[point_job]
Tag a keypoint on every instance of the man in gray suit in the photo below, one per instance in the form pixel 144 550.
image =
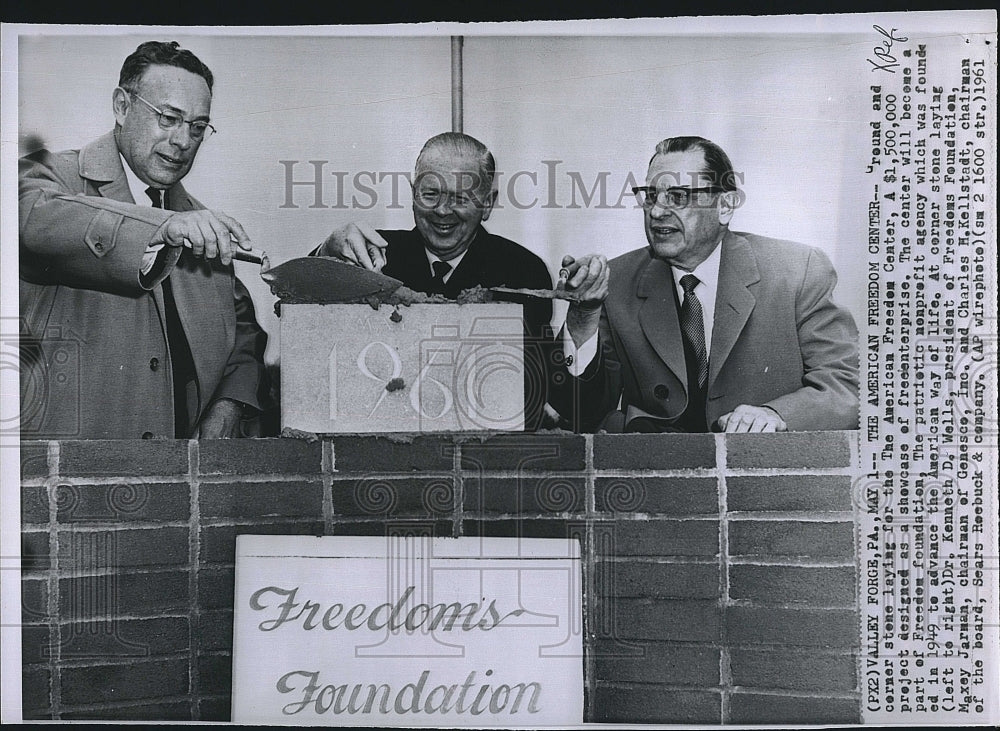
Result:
pixel 706 328
pixel 133 323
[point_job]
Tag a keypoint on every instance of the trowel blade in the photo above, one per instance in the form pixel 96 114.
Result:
pixel 325 280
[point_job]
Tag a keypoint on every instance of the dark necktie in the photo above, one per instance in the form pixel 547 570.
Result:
pixel 181 360
pixel 156 196
pixel 441 269
pixel 693 326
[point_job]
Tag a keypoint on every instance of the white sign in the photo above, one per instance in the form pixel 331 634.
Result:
pixel 350 631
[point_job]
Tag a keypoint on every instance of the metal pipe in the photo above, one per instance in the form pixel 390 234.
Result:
pixel 456 83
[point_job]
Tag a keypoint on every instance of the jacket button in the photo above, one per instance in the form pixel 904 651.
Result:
pixel 98 245
pixel 154 363
pixel 661 391
pixel 147 435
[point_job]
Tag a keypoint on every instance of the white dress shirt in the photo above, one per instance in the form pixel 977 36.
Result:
pixel 138 190
pixel 708 282
pixel 453 263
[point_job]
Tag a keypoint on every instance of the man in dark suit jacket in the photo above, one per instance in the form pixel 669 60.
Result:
pixel 449 250
pixel 125 333
pixel 706 329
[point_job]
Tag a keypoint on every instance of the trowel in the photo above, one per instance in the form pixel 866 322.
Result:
pixel 326 280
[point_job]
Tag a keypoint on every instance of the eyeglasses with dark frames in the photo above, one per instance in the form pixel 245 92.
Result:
pixel 677 197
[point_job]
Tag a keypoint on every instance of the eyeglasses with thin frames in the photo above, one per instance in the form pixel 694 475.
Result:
pixel 676 197
pixel 200 130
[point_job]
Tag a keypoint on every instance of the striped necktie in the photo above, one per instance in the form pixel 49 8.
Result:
pixel 693 325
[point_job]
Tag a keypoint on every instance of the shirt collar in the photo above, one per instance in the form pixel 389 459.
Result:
pixel 454 261
pixel 707 272
pixel 135 186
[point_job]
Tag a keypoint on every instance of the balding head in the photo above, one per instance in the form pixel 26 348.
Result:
pixel 455 146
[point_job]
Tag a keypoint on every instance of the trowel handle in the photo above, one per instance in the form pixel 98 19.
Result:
pixel 249 256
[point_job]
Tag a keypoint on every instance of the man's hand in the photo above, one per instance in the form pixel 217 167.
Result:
pixel 210 234
pixel 221 420
pixel 746 419
pixel 587 277
pixel 357 243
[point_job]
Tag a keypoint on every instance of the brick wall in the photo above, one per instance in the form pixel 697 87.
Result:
pixel 719 572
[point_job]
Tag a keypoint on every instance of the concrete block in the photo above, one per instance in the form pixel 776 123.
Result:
pixel 422 368
pixel 660 662
pixel 752 708
pixel 402 527
pixel 657 538
pixel 653 451
pixel 215 709
pixel 649 704
pixel 416 496
pixel 112 457
pixel 808 493
pixel 215 631
pixel 525 495
pixel 156 679
pixel 258 456
pixel 127 501
pixel 123 549
pixel 35 690
pixel 659 580
pixel 525 452
pixel 178 710
pixel 215 674
pixel 796 627
pixel 378 455
pixel 823 586
pixel 662 619
pixel 35 551
pixel 527 528
pixel 34 504
pixel 793 670
pixel 34 600
pixel 657 495
pixel 789 450
pixel 791 538
pixel 34 459
pixel 123 594
pixel 255 500
pixel 34 645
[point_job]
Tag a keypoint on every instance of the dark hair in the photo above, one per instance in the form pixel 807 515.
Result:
pixel 160 53
pixel 463 145
pixel 719 165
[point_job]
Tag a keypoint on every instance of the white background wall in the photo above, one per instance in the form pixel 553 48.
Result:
pixel 789 110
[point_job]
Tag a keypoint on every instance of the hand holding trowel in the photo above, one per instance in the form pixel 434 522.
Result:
pixel 348 269
pixel 202 231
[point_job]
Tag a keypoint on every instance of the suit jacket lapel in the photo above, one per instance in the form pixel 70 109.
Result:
pixel 733 299
pixel 468 273
pixel 100 163
pixel 658 316
pixel 408 262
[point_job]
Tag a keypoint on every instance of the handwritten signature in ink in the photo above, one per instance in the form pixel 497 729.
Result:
pixel 883 51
